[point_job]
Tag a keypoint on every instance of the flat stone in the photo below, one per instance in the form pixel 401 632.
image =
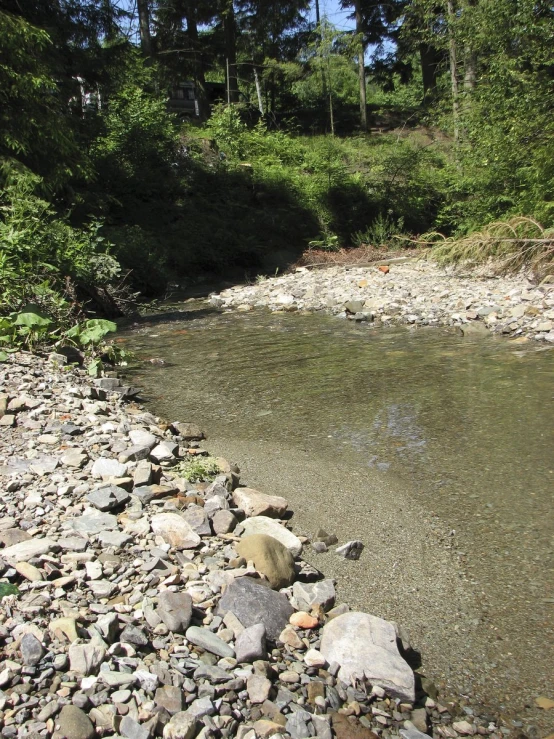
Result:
pixel 174 530
pixel 348 727
pixel 115 539
pixel 66 625
pixel 254 503
pixel 258 688
pixel 198 520
pixel 105 499
pixel 31 649
pixel 133 635
pixel 105 467
pixel 135 453
pixel 250 644
pixel 170 698
pixel 13 536
pixel 140 437
pixel 365 647
pixel 102 588
pixel 223 521
pixel 117 679
pixel 189 431
pixel 270 527
pixel 142 474
pixel 26 550
pixel 132 729
pixel 270 557
pixel 181 726
pixel 93 522
pixel 175 610
pixel 201 707
pixel 320 593
pixel 165 451
pixel 253 603
pixel 29 572
pixel 211 673
pixel 74 457
pixel 209 641
pixel 43 465
pixel 73 723
pixel 85 659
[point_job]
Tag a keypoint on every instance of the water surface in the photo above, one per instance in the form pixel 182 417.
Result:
pixel 434 449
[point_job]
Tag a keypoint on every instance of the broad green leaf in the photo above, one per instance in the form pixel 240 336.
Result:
pixel 3 356
pixel 31 319
pixel 95 330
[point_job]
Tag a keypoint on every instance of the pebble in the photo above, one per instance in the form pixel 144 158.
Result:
pixel 134 620
pixel 413 293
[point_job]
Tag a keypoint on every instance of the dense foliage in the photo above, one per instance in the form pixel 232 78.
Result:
pixel 424 116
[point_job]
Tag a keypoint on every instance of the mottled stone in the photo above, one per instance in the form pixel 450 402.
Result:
pixel 253 603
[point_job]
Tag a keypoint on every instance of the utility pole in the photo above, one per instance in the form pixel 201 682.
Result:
pixel 453 70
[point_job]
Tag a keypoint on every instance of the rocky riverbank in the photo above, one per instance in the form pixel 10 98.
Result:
pixel 143 604
pixel 413 293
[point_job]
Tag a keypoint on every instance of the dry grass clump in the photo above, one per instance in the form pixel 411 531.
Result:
pixel 361 255
pixel 514 244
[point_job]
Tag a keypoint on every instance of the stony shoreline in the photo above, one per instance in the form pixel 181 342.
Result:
pixel 412 293
pixel 152 606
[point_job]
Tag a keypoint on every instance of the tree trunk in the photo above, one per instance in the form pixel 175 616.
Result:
pixel 470 62
pixel 453 70
pixel 429 59
pixel 230 34
pixel 200 77
pixel 361 66
pixel 258 88
pixel 144 27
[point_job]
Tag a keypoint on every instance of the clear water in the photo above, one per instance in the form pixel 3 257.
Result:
pixel 462 427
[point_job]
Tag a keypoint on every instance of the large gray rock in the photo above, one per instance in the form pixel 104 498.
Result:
pixel 175 610
pixel 253 603
pixel 306 595
pixel 175 531
pixel 265 525
pixel 254 503
pixel 270 557
pixel 107 498
pixel 365 647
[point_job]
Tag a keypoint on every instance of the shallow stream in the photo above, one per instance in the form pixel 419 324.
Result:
pixel 433 449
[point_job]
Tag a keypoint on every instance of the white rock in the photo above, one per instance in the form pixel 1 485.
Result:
pixel 174 530
pixel 365 646
pixel 104 467
pixel 26 550
pixel 254 503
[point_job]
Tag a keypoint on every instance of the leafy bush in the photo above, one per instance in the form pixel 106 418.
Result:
pixel 43 259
